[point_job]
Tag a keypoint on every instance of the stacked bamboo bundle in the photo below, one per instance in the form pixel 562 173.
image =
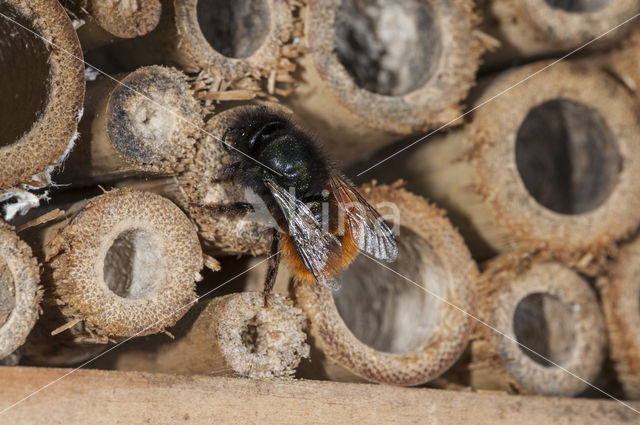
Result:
pixel 537 182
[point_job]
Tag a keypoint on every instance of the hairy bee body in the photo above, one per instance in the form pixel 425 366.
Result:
pixel 323 220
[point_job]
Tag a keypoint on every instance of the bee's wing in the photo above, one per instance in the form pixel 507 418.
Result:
pixel 318 249
pixel 368 228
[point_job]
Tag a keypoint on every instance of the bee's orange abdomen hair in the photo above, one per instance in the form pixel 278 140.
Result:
pixel 300 271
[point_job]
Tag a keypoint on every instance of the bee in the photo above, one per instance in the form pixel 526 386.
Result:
pixel 324 222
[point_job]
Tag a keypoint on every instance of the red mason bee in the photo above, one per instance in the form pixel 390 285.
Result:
pixel 324 222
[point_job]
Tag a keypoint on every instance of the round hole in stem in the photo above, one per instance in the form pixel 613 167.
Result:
pixel 234 28
pixel 385 311
pixel 545 325
pixel 24 71
pixel 389 47
pixel 567 157
pixel 132 264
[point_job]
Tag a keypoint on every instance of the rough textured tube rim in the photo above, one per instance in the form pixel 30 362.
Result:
pixel 493 133
pixel 51 134
pixel 80 249
pixel 26 277
pixel 434 103
pixel 589 346
pixel 620 295
pixel 450 336
pixel 263 59
pixel 570 28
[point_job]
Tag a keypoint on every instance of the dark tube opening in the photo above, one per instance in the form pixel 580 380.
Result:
pixel 544 324
pixel 133 263
pixel 385 311
pixel 234 28
pixel 567 157
pixel 578 6
pixel 388 47
pixel 24 71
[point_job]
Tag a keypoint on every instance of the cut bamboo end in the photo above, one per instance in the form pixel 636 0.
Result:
pixel 536 27
pixel 232 39
pixel 620 294
pixel 361 88
pixel 20 292
pixel 147 123
pixel 107 21
pixel 551 164
pixel 581 210
pixel 546 307
pixel 232 335
pixel 49 83
pixel 122 264
pixel 383 328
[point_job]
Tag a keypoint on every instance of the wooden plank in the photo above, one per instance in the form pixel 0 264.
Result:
pixel 110 397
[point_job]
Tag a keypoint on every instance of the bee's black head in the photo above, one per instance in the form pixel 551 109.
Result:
pixel 288 155
pixel 297 162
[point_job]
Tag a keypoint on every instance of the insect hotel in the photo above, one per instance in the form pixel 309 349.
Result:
pixel 319 211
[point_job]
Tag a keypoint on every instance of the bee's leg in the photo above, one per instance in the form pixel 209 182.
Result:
pixel 233 209
pixel 273 264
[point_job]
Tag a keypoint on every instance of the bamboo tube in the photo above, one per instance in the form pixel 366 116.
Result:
pixel 620 292
pixel 46 83
pixel 103 22
pixel 380 327
pixel 517 176
pixel 119 265
pixel 231 335
pixel 232 39
pixel 533 28
pixel 546 307
pixel 361 87
pixel 20 293
pixel 147 123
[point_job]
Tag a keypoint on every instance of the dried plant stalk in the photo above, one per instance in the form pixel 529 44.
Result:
pixel 551 164
pixel 20 293
pixel 621 304
pixel 383 328
pixel 530 28
pixel 546 307
pixel 233 39
pixel 360 88
pixel 107 21
pixel 48 84
pixel 231 335
pixel 147 123
pixel 121 264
